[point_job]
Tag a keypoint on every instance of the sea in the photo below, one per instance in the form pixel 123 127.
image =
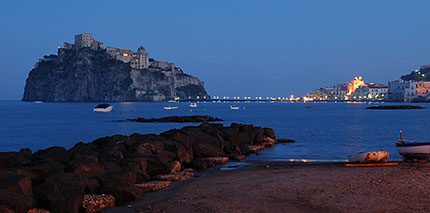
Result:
pixel 323 131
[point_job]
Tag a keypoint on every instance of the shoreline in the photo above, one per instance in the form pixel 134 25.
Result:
pixel 294 187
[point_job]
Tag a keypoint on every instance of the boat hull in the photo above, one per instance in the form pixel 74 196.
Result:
pixel 367 157
pixel 412 151
pixel 107 109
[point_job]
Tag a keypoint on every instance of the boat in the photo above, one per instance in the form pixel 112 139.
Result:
pixel 193 105
pixel 170 107
pixel 367 157
pixel 411 150
pixel 234 107
pixel 103 108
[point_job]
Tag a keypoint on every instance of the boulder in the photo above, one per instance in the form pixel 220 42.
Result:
pixel 179 150
pixel 59 154
pixel 175 166
pixel 123 193
pixel 96 203
pixel 234 157
pixel 202 150
pixel 217 160
pixel 269 132
pixel 178 176
pixel 62 192
pixel 200 164
pixel 40 169
pixel 19 184
pixel 87 168
pixel 15 159
pixel 157 166
pixel 15 202
pixel 153 185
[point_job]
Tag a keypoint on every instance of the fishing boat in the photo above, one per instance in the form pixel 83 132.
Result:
pixel 103 108
pixel 411 150
pixel 234 107
pixel 193 105
pixel 367 157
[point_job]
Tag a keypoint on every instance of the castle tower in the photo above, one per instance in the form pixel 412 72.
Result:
pixel 142 58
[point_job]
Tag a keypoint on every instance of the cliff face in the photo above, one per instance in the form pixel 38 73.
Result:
pixel 93 75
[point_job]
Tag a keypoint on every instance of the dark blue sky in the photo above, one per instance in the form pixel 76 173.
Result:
pixel 239 48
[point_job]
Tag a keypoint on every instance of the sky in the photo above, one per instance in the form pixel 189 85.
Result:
pixel 238 48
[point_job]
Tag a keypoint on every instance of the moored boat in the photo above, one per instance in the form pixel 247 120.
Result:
pixel 234 107
pixel 410 150
pixel 367 157
pixel 193 105
pixel 103 108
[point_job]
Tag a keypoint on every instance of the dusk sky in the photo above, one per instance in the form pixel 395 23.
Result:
pixel 238 48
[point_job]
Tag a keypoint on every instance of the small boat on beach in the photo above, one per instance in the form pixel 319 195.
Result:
pixel 103 108
pixel 193 105
pixel 234 107
pixel 410 150
pixel 367 157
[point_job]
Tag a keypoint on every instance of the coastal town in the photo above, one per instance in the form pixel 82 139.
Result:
pixel 400 90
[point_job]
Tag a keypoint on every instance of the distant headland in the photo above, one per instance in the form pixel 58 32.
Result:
pixel 85 71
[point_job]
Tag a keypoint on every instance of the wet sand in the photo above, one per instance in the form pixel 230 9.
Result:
pixel 296 187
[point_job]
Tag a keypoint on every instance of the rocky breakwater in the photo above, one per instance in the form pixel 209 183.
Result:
pixel 117 169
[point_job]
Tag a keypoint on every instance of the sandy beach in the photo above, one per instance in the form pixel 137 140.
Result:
pixel 296 187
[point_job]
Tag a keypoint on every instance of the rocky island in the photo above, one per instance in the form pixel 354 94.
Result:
pixel 85 71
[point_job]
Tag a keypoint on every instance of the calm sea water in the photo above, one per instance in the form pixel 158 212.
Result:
pixel 323 131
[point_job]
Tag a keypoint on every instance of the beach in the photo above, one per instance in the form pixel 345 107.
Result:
pixel 295 187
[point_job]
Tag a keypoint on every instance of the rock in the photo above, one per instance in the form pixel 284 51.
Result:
pixel 19 184
pixel 96 203
pixel 87 168
pixel 269 142
pixel 5 209
pixel 203 150
pixel 146 150
pixel 154 185
pixel 94 75
pixel 15 159
pixel 123 193
pixel 179 150
pixel 40 169
pixel 236 157
pixel 285 141
pixel 62 192
pixel 217 160
pixel 59 154
pixel 247 149
pixel 36 210
pixel 157 166
pixel 175 166
pixel 269 132
pixel 15 202
pixel 200 164
pixel 179 119
pixel 179 176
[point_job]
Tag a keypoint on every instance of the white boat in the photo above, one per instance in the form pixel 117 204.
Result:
pixel 170 107
pixel 234 107
pixel 366 157
pixel 193 105
pixel 103 108
pixel 410 150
